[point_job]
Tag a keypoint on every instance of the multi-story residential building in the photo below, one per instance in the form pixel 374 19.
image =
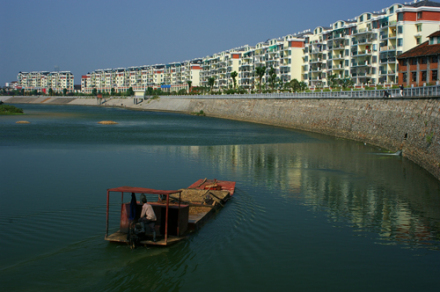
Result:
pixel 43 80
pixel 420 65
pixel 363 49
pixel 172 77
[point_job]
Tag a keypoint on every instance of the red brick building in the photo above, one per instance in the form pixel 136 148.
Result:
pixel 420 66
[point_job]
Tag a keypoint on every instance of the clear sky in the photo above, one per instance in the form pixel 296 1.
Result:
pixel 81 36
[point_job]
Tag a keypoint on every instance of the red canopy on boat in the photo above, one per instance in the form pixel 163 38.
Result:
pixel 142 190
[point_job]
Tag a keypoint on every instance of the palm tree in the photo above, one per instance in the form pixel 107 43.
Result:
pixel 234 76
pixel 260 71
pixel 211 81
pixel 272 77
pixel 189 85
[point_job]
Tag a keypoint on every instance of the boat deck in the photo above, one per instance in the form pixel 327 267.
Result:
pixel 122 237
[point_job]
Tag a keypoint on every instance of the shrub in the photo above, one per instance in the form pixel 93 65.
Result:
pixel 10 110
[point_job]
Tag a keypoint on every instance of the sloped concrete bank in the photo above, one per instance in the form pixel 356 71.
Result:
pixel 410 125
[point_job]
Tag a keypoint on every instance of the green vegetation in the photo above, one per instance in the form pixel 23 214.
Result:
pixel 234 75
pixel 429 138
pixel 200 113
pixel 211 81
pixel 260 71
pixel 6 109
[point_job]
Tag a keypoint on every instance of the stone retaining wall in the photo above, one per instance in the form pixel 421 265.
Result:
pixel 410 125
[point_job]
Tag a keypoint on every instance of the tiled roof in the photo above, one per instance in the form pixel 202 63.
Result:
pixel 424 49
pixel 437 33
pixel 425 3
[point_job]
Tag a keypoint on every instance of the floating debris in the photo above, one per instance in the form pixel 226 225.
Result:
pixel 107 122
pixel 22 122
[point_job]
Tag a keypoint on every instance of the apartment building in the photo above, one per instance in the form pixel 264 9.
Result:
pixel 365 48
pixel 43 80
pixel 171 77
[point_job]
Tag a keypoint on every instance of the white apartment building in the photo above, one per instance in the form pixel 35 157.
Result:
pixel 43 80
pixel 172 77
pixel 362 49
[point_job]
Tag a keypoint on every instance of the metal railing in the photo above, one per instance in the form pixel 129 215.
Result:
pixel 412 92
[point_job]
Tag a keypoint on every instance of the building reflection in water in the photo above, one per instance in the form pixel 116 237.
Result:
pixel 349 181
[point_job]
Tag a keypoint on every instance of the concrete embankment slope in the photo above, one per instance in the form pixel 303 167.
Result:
pixel 410 125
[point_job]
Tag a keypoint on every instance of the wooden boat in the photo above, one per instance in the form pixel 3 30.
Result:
pixel 178 212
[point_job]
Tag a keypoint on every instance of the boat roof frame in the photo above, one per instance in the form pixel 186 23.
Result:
pixel 137 190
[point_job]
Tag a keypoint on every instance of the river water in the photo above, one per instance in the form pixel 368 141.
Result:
pixel 311 212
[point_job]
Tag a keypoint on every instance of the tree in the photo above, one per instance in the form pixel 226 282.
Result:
pixel 302 86
pixel 333 81
pixel 346 82
pixel 189 85
pixel 260 71
pixel 113 91
pixel 51 91
pixel 294 85
pixel 272 77
pixel 130 91
pixel 234 75
pixel 64 91
pixel 211 81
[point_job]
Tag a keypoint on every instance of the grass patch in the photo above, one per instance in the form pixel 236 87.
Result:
pixel 200 113
pixel 429 138
pixel 6 109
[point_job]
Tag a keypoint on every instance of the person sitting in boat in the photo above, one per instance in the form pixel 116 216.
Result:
pixel 148 217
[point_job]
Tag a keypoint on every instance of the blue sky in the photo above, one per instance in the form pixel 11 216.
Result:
pixel 82 36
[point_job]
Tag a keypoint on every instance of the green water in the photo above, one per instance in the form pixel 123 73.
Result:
pixel 311 212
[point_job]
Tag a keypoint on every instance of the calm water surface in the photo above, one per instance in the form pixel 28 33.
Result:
pixel 311 212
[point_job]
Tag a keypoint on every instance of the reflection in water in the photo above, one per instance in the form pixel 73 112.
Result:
pixel 387 195
pixel 304 203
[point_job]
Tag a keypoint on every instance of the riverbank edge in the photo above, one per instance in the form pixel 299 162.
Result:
pixel 409 125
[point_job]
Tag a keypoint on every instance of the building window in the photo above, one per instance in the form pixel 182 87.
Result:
pixel 414 76
pixel 413 61
pixel 400 29
pixel 399 42
pixel 423 60
pixel 404 77
pixel 419 27
pixel 418 40
pixel 423 76
pixel 400 16
pixel 434 76
pixel 434 59
pixel 404 62
pixel 419 15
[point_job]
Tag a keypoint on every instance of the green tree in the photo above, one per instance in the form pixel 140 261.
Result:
pixel 333 81
pixel 260 71
pixel 234 75
pixel 50 91
pixel 346 82
pixel 302 86
pixel 294 85
pixel 272 77
pixel 64 91
pixel 211 81
pixel 189 85
pixel 130 92
pixel 94 92
pixel 113 91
